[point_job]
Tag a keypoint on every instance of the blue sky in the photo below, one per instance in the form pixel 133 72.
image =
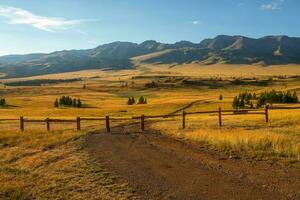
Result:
pixel 28 26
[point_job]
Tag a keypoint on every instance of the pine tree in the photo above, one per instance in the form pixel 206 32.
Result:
pixel 235 103
pixel 56 104
pixel 141 100
pixel 79 104
pixel 74 103
pixel 241 103
pixel 133 100
pixel 295 97
pixel 221 97
pixel 129 102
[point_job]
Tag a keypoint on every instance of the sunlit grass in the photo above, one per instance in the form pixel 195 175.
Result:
pixel 40 165
pixel 245 134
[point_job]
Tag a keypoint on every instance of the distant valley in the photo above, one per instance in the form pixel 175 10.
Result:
pixel 269 50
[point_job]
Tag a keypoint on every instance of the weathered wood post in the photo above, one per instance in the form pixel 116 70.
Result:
pixel 78 123
pixel 48 124
pixel 183 119
pixel 143 122
pixel 107 124
pixel 220 117
pixel 267 113
pixel 22 123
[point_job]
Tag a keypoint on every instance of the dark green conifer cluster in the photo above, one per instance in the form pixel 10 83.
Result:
pixel 131 100
pixel 277 97
pixel 245 100
pixel 68 102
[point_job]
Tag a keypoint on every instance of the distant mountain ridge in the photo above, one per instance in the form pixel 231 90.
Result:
pixel 269 50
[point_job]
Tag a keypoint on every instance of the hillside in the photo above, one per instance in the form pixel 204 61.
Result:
pixel 269 50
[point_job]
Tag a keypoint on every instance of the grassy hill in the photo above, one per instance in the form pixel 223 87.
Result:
pixel 269 50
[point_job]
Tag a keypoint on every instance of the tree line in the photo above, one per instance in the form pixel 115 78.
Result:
pixel 132 101
pixel 68 101
pixel 246 99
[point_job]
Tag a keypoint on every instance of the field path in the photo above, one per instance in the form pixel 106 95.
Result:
pixel 159 167
pixel 186 106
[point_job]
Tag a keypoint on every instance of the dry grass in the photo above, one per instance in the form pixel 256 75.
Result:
pixel 244 134
pixel 40 165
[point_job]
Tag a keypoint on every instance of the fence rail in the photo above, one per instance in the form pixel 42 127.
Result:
pixel 220 113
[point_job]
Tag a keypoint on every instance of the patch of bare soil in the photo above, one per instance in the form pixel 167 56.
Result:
pixel 159 167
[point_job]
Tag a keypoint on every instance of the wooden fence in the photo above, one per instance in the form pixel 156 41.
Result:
pixel 220 113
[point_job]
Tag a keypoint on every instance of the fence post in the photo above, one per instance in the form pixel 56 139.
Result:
pixel 183 119
pixel 143 122
pixel 48 124
pixel 22 123
pixel 107 124
pixel 220 117
pixel 267 113
pixel 78 123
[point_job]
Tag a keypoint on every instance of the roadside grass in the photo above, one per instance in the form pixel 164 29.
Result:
pixel 54 165
pixel 243 134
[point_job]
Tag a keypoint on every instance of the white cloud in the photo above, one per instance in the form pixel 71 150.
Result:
pixel 20 16
pixel 275 5
pixel 195 22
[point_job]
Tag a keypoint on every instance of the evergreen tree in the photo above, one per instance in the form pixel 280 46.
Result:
pixel 235 103
pixel 79 104
pixel 221 97
pixel 141 100
pixel 131 101
pixel 241 103
pixel 295 97
pixel 2 102
pixel 74 103
pixel 56 104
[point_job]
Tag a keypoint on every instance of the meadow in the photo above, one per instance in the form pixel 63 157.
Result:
pixel 30 158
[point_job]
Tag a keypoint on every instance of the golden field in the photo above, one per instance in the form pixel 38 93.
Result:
pixel 31 158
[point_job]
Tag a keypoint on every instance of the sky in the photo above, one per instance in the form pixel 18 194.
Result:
pixel 35 26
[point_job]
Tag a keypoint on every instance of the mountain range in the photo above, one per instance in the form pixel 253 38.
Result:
pixel 269 50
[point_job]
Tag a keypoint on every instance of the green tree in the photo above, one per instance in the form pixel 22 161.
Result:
pixel 235 103
pixel 74 103
pixel 141 100
pixel 56 103
pixel 79 104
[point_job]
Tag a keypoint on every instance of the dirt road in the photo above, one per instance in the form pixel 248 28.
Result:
pixel 159 167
